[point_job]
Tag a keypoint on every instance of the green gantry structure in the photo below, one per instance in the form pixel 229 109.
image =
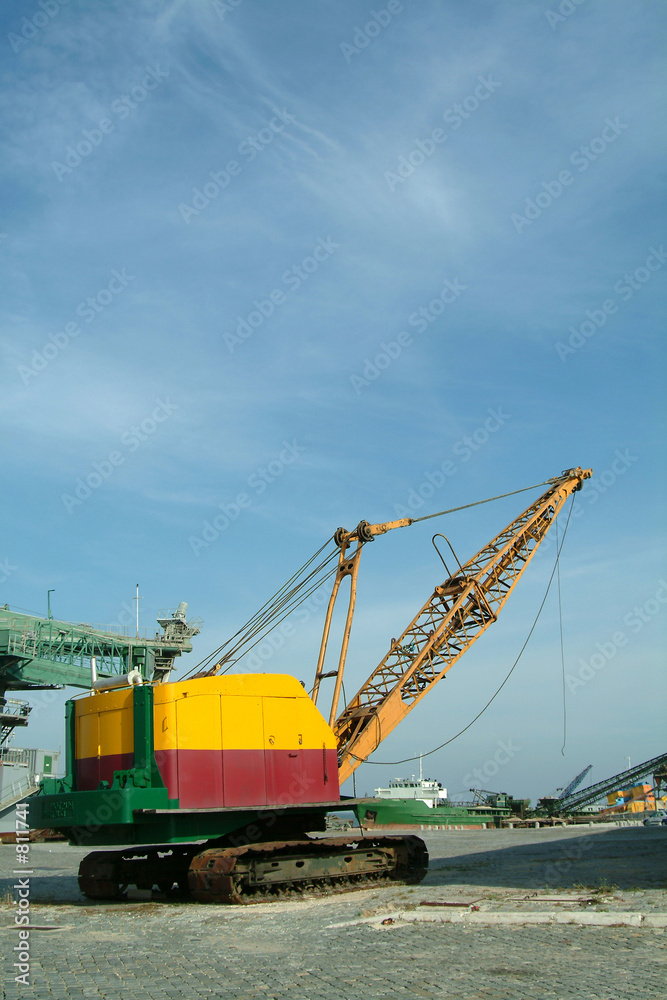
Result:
pixel 38 653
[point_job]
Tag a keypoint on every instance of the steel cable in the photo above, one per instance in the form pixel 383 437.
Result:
pixel 478 503
pixel 392 763
pixel 263 617
pixel 284 601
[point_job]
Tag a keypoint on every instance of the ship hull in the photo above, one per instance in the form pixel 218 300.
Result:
pixel 415 814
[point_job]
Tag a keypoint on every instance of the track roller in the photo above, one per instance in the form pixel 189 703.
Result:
pixel 271 870
pixel 108 874
pixel 254 873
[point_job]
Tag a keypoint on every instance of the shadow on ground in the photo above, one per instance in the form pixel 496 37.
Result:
pixel 626 858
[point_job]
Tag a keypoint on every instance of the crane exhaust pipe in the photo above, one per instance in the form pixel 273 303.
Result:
pixel 123 680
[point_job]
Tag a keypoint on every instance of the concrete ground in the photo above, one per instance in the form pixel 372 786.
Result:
pixel 320 948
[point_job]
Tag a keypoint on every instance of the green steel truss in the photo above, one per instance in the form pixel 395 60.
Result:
pixel 42 652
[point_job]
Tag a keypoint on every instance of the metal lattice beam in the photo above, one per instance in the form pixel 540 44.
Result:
pixel 452 619
pixel 36 652
pixel 589 795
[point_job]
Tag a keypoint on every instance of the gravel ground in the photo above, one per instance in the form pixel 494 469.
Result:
pixel 312 948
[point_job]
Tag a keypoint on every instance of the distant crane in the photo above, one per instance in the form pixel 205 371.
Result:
pixel 587 796
pixel 574 783
pixel 483 797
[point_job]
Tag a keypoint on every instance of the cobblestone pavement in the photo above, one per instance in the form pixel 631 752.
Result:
pixel 162 951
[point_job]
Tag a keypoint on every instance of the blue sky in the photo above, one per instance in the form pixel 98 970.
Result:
pixel 333 242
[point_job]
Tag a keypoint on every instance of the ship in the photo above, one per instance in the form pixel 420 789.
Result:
pixel 422 804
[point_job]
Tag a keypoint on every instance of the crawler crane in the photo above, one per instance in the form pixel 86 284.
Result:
pixel 217 781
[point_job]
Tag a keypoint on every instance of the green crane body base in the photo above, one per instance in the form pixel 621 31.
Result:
pixel 135 808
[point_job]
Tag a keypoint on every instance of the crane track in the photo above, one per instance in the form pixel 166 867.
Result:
pixel 255 873
pixel 262 872
pixel 108 874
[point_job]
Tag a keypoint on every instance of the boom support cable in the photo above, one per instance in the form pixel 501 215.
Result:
pixel 478 503
pixel 272 623
pixel 290 595
pixel 295 592
pixel 562 650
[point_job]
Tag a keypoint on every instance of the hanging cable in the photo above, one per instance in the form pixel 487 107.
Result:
pixel 562 650
pixel 392 763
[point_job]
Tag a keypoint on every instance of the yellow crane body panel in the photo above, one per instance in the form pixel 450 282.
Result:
pixel 231 740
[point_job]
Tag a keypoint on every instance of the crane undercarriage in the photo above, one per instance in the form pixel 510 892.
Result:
pixel 256 872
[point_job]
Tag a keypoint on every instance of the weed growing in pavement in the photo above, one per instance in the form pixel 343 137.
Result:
pixel 603 889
